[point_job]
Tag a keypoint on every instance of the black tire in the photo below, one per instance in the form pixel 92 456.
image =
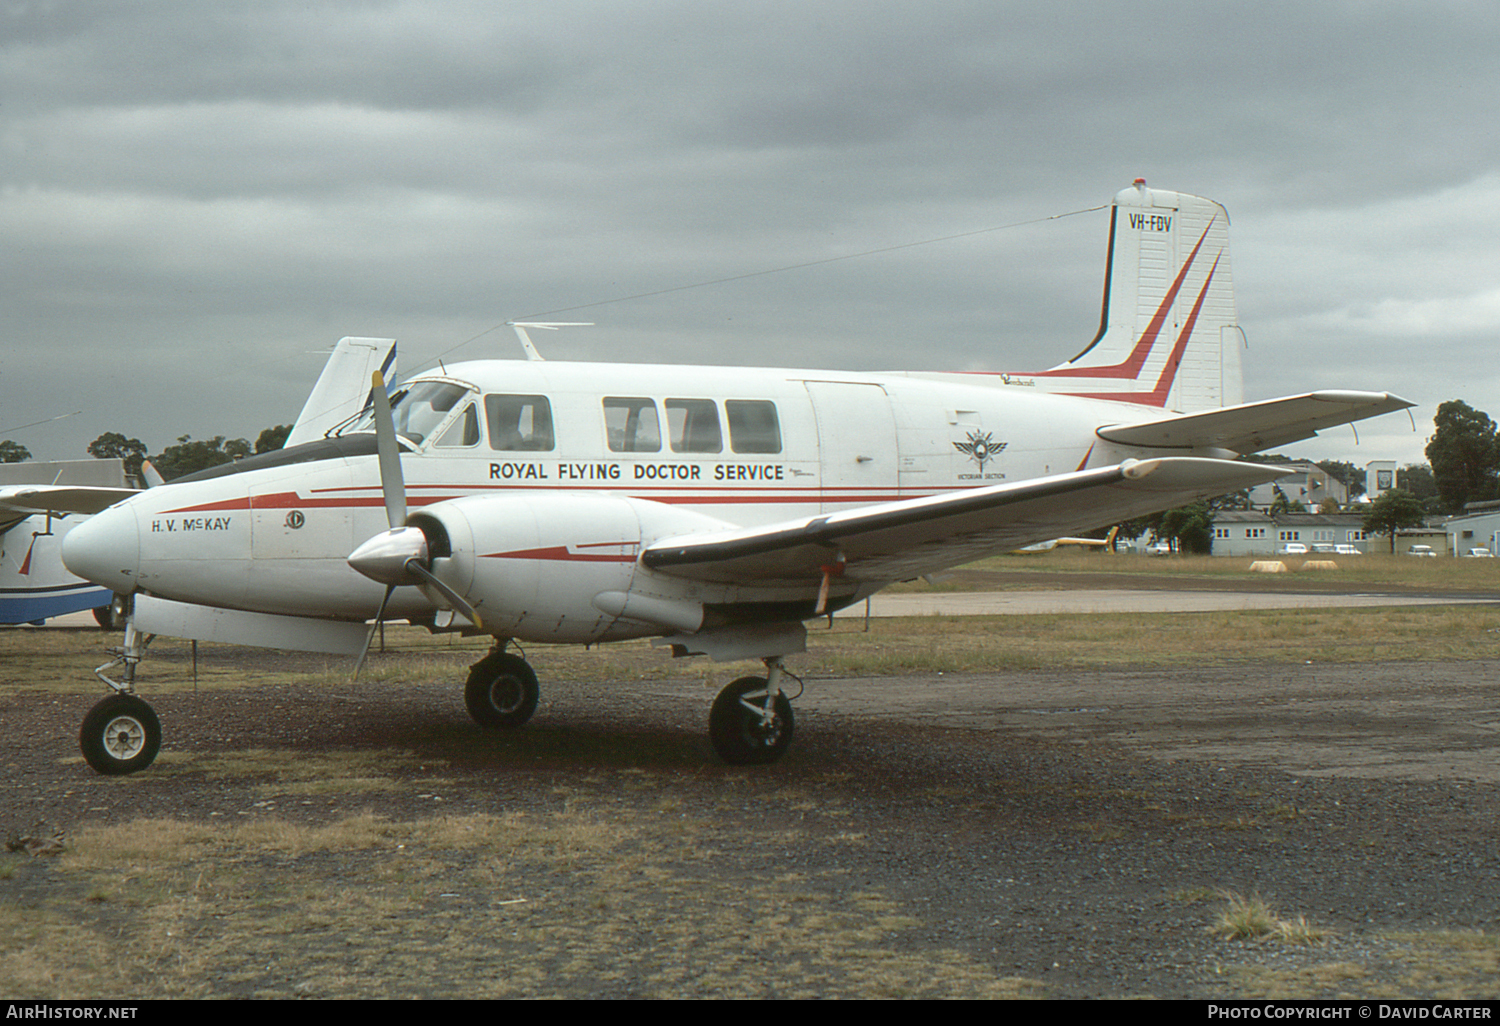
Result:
pixel 502 691
pixel 120 735
pixel 737 732
pixel 112 616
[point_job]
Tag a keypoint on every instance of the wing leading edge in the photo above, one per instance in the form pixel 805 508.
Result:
pixel 900 540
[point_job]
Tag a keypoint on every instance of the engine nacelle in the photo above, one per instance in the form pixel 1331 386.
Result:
pixel 532 565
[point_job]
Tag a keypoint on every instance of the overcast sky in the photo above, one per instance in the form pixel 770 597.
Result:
pixel 198 199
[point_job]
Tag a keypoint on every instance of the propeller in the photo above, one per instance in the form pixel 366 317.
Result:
pixel 399 556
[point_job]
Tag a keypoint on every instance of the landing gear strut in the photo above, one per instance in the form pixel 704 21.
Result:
pixel 502 691
pixel 121 734
pixel 751 721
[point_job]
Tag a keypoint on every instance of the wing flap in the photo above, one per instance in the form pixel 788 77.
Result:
pixel 1253 427
pixel 899 540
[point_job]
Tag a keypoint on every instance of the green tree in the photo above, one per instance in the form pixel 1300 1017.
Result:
pixel 1393 511
pixel 1417 479
pixel 1464 452
pixel 13 452
pixel 188 456
pixel 1282 504
pixel 114 446
pixel 1347 474
pixel 1191 528
pixel 272 438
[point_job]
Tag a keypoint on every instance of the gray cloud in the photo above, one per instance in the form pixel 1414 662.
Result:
pixel 197 198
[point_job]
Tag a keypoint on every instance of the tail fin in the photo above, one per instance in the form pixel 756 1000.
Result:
pixel 343 388
pixel 1168 334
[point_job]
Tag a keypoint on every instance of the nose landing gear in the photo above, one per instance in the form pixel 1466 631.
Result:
pixel 121 734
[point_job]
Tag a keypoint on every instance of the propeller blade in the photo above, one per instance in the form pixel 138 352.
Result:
pixel 456 600
pixel 360 662
pixel 392 485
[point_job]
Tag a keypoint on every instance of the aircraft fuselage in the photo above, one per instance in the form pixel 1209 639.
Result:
pixel 578 467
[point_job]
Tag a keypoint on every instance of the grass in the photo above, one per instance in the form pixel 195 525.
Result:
pixel 61 662
pixel 575 903
pixel 1442 965
pixel 1372 570
pixel 1250 918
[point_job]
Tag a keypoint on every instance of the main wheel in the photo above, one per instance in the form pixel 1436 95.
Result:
pixel 736 727
pixel 502 691
pixel 121 734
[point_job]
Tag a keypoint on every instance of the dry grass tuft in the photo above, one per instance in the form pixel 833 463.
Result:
pixel 1250 918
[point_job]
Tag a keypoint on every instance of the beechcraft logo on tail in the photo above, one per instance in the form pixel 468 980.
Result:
pixel 981 447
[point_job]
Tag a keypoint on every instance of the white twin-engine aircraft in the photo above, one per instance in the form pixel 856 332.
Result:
pixel 714 509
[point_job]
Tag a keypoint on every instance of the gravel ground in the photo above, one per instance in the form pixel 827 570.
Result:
pixel 1057 835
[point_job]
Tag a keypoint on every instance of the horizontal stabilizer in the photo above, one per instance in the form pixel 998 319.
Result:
pixel 901 540
pixel 1254 427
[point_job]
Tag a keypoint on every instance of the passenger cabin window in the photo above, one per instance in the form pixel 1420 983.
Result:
pixel 463 431
pixel 519 423
pixel 753 427
pixel 693 426
pixel 631 425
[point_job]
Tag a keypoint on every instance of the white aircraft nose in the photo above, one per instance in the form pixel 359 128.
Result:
pixel 106 549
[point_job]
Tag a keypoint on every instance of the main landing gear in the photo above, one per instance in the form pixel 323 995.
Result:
pixel 502 691
pixel 121 734
pixel 751 721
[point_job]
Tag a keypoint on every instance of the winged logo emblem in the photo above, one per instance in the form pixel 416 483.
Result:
pixel 981 447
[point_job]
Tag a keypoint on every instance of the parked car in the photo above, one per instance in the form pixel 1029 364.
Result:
pixel 1326 547
pixel 1480 554
pixel 1421 550
pixel 1347 550
pixel 1292 549
pixel 1160 548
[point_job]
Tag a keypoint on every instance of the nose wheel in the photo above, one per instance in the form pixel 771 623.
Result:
pixel 120 735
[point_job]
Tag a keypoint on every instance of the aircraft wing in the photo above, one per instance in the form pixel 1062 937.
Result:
pixel 900 540
pixel 1253 427
pixel 30 499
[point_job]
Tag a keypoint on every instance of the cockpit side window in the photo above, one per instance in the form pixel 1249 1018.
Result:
pixel 753 426
pixel 519 423
pixel 418 409
pixel 693 425
pixel 462 432
pixel 631 425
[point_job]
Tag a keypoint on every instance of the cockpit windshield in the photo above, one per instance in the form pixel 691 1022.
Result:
pixel 418 409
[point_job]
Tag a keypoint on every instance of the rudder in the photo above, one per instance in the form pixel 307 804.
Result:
pixel 1168 333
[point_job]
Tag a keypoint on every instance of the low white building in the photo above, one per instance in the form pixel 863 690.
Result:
pixel 1478 527
pixel 1253 533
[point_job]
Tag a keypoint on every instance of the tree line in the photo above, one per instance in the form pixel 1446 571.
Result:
pixel 187 456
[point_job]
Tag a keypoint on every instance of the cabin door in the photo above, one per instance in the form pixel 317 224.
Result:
pixel 856 443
